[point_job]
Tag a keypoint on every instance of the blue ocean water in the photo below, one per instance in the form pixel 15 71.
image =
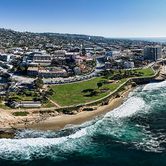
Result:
pixel 151 39
pixel 131 135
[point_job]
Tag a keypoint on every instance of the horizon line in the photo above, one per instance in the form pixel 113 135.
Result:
pixel 86 34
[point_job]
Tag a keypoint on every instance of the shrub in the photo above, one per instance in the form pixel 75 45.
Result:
pixel 35 112
pixel 47 111
pixel 25 113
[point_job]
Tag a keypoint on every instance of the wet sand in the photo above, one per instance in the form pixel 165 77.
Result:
pixel 61 121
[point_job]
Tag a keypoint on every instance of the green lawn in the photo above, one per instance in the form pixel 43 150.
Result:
pixel 48 105
pixel 70 94
pixel 147 72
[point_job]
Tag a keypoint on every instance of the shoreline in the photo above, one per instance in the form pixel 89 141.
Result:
pixel 62 121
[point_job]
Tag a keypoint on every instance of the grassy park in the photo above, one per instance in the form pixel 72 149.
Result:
pixel 70 94
pixel 81 92
pixel 147 72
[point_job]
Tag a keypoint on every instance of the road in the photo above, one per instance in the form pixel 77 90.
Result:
pixel 94 73
pixel 98 68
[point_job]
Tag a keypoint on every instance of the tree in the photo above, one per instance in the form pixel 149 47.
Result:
pixel 93 93
pixel 99 84
pixel 38 83
pixel 51 92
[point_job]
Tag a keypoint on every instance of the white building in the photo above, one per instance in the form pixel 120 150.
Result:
pixel 128 64
pixel 5 57
pixel 112 55
pixel 16 104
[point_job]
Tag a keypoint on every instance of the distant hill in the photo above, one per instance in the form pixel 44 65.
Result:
pixel 12 33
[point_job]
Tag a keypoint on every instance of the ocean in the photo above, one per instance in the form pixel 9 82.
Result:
pixel 133 134
pixel 151 39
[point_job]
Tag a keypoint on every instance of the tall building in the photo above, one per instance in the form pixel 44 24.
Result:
pixel 152 53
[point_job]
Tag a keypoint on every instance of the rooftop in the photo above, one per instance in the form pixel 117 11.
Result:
pixel 33 68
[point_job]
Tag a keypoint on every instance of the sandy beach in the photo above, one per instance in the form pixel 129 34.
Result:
pixel 59 122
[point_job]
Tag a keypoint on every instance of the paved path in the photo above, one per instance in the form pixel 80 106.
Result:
pixel 94 101
pixel 53 102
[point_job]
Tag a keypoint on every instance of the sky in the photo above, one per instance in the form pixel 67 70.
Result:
pixel 108 18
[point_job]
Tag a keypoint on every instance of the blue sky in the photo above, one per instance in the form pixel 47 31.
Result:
pixel 108 18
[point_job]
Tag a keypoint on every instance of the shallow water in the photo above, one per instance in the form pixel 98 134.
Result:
pixel 132 134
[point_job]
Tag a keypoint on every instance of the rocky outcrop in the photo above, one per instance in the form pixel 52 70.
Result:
pixel 133 84
pixel 7 133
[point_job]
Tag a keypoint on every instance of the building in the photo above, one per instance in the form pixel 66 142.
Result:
pixel 137 50
pixel 119 62
pixel 152 53
pixel 46 72
pixel 60 53
pixel 8 66
pixel 52 72
pixel 79 59
pixel 42 59
pixel 17 50
pixel 32 71
pixel 5 57
pixel 16 104
pixel 108 65
pixel 128 64
pixel 112 55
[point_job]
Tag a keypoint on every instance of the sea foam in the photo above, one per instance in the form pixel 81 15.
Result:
pixel 154 86
pixel 128 108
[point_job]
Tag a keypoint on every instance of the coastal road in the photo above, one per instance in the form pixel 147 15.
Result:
pixel 98 68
